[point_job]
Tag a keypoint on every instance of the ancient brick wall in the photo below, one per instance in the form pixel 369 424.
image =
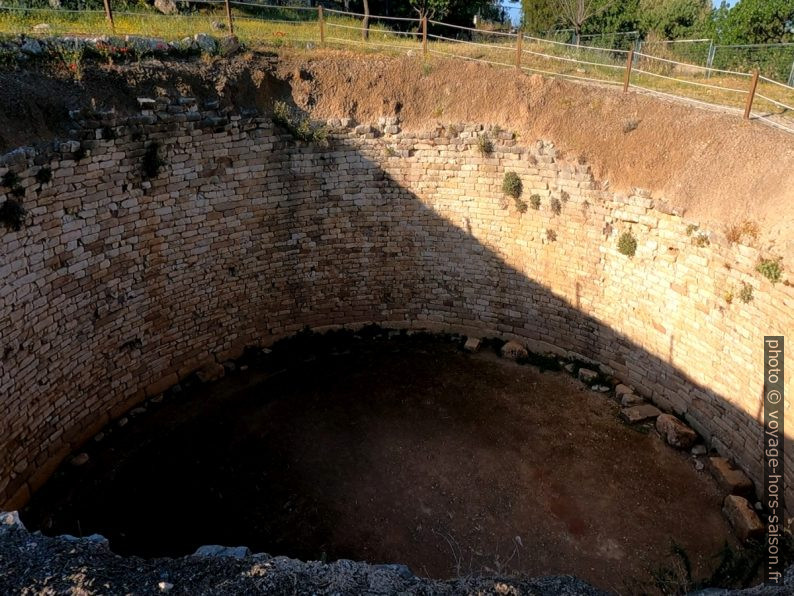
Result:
pixel 175 239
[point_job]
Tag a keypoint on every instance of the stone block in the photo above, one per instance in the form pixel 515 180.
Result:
pixel 743 518
pixel 513 350
pixel 587 376
pixel 472 344
pixel 675 432
pixel 637 414
pixel 730 479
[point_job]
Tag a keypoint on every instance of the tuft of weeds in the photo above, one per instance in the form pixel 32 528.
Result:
pixel 728 296
pixel 298 126
pixel 701 240
pixel 426 69
pixel 738 232
pixel 627 244
pixel 521 206
pixel 551 235
pixel 630 125
pixel 564 196
pixel 12 214
pixel 772 269
pixel 485 145
pixel 44 175
pixel 691 229
pixel 390 152
pixel 534 201
pixel 10 179
pixel 746 293
pixel 152 162
pixel 512 185
pixel 556 206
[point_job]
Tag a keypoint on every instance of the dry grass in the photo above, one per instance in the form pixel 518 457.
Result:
pixel 742 231
pixel 301 29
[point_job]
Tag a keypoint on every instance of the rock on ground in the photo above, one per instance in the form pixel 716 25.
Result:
pixel 730 479
pixel 514 350
pixel 743 518
pixel 637 414
pixel 675 432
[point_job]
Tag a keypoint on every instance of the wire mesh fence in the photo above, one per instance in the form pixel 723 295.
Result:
pixel 691 70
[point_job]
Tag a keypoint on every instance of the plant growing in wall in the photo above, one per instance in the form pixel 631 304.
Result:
pixel 534 200
pixel 512 186
pixel 556 206
pixel 152 162
pixel 485 145
pixel 44 175
pixel 627 244
pixel 299 127
pixel 12 214
pixel 551 235
pixel 770 269
pixel 746 293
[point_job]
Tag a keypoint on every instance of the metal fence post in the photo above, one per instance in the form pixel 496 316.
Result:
pixel 753 86
pixel 424 36
pixel 710 58
pixel 629 64
pixel 109 16
pixel 321 20
pixel 519 49
pixel 229 18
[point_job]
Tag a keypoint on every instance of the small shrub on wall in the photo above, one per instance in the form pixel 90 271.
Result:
pixel 770 269
pixel 12 214
pixel 512 186
pixel 746 293
pixel 556 206
pixel 627 244
pixel 534 200
pixel 485 145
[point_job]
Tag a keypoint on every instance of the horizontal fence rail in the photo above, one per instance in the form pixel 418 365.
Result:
pixel 712 84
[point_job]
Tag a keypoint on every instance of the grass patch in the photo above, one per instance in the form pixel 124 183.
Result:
pixel 485 145
pixel 534 200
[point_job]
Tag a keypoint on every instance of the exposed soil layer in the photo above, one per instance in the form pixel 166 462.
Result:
pixel 722 170
pixel 394 449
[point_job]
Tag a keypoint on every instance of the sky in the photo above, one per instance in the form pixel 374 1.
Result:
pixel 514 9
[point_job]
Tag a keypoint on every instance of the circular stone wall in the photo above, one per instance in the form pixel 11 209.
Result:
pixel 169 242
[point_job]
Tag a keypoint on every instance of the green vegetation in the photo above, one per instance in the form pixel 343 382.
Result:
pixel 485 144
pixel 512 185
pixel 746 293
pixel 556 206
pixel 770 269
pixel 299 126
pixel 551 235
pixel 627 244
pixel 534 200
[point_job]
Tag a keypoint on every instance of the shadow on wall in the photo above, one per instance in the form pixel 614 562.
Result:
pixel 120 284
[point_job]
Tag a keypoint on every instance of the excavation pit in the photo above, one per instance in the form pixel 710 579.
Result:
pixel 391 447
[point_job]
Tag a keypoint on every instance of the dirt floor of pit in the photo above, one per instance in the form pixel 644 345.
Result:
pixel 396 450
pixel 722 170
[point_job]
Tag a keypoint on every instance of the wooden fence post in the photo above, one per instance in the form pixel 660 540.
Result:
pixel 629 64
pixel 321 20
pixel 229 18
pixel 424 36
pixel 109 16
pixel 748 110
pixel 519 49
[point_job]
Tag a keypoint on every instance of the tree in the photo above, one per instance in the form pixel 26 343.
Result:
pixel 577 12
pixel 538 16
pixel 430 8
pixel 675 19
pixel 758 21
pixel 366 20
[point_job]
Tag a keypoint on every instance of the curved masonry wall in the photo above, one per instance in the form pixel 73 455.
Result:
pixel 118 286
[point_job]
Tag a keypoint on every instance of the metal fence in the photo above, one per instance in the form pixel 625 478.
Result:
pixel 751 94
